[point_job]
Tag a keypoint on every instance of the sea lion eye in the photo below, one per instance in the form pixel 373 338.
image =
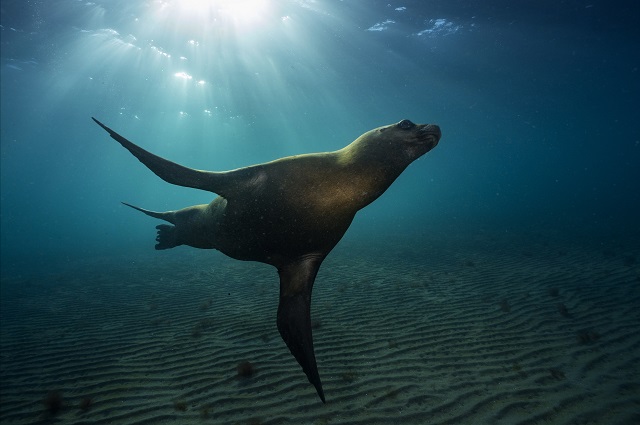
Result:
pixel 406 124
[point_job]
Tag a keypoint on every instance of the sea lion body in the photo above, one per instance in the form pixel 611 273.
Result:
pixel 275 213
pixel 289 213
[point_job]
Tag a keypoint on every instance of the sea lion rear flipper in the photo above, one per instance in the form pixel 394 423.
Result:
pixel 170 171
pixel 166 237
pixel 294 314
pixel 166 216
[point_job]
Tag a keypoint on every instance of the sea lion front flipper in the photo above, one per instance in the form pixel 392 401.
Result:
pixel 294 314
pixel 170 171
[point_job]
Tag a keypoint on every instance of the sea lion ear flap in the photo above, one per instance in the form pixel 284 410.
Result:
pixel 170 171
pixel 294 315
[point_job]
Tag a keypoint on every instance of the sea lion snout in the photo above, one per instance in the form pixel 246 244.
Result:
pixel 426 138
pixel 431 131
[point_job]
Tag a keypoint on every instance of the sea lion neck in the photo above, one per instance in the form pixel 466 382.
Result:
pixel 370 170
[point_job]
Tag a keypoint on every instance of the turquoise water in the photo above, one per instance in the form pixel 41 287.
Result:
pixel 538 106
pixel 537 109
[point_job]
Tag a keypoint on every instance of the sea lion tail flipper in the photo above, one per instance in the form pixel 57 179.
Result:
pixel 294 315
pixel 167 236
pixel 170 171
pixel 166 216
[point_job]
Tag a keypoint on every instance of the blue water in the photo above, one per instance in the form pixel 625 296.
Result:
pixel 538 108
pixel 538 103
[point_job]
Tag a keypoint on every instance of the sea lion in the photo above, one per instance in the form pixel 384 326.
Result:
pixel 289 213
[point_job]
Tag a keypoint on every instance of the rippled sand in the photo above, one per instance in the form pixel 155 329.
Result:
pixel 484 332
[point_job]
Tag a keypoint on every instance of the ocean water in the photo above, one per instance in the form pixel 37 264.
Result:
pixel 496 281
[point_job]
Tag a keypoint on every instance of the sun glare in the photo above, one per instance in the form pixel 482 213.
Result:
pixel 191 56
pixel 239 11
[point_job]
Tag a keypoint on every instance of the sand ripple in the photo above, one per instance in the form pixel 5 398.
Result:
pixel 478 335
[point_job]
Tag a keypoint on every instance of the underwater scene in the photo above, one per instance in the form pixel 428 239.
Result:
pixel 319 212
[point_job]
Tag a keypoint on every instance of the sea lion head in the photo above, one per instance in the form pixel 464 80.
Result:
pixel 413 139
pixel 397 144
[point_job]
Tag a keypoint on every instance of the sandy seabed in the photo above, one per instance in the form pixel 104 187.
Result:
pixel 485 331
